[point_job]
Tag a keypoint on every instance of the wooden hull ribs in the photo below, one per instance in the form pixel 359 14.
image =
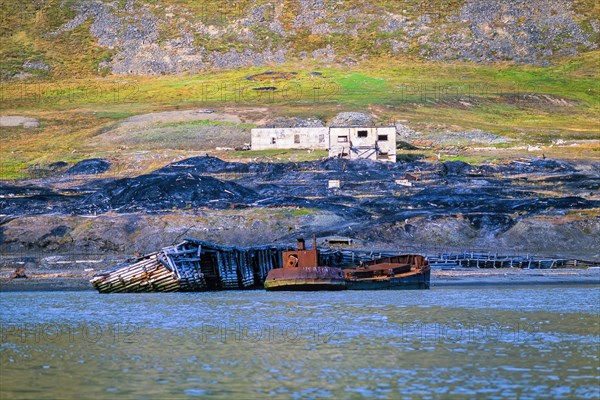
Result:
pixel 191 266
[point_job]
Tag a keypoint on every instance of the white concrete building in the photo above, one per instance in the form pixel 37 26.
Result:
pixel 290 138
pixel 374 142
pixel 371 142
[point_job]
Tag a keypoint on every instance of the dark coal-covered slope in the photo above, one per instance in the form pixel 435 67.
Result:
pixel 204 165
pixel 368 189
pixel 178 190
pixel 32 199
pixel 93 166
pixel 534 205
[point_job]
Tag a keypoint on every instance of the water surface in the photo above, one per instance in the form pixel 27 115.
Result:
pixel 474 342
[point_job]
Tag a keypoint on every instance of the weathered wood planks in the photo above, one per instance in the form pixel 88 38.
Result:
pixel 192 265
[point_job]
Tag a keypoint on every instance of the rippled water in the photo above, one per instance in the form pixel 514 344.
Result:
pixel 493 343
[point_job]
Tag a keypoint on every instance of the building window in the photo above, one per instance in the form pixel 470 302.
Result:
pixel 297 139
pixel 363 134
pixel 273 140
pixel 342 139
pixel 382 138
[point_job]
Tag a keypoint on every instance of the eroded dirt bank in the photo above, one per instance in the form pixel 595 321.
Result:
pixel 536 206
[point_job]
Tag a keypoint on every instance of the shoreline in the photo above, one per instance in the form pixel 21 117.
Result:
pixel 468 277
pixel 442 279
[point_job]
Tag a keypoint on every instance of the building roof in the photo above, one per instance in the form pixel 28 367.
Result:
pixel 361 126
pixel 329 127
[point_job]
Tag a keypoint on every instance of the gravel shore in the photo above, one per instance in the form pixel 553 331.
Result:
pixel 514 277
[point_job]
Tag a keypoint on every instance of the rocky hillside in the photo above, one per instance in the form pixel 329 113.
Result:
pixel 145 37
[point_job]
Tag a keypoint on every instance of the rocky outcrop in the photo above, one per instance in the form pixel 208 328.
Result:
pixel 149 38
pixel 518 30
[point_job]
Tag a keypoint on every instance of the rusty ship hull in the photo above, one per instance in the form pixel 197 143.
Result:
pixel 416 281
pixel 301 271
pixel 305 279
pixel 404 272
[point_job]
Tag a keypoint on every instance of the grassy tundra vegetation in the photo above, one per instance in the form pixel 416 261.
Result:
pixel 532 105
pixel 79 102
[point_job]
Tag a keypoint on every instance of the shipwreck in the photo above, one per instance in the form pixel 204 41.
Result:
pixel 192 266
pixel 195 265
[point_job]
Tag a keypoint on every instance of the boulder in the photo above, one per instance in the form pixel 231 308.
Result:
pixel 18 274
pixel 17 120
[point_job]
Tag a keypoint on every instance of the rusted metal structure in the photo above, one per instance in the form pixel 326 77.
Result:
pixel 396 272
pixel 192 265
pixel 302 271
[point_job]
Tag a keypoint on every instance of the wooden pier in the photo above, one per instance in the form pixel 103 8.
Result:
pixel 348 257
